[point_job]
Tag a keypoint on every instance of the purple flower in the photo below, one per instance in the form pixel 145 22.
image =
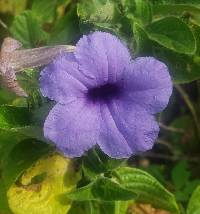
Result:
pixel 104 98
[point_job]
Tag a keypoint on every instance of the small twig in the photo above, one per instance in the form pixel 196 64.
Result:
pixel 165 143
pixel 171 129
pixel 3 24
pixel 168 157
pixel 190 106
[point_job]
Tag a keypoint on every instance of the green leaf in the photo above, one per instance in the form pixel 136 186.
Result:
pixel 11 117
pixel 78 208
pixel 44 10
pixel 147 188
pixel 27 30
pixel 104 15
pixel 173 34
pixel 39 114
pixel 14 158
pixel 115 207
pixel 66 30
pixel 185 193
pixel 180 174
pixel 16 120
pixel 40 188
pixel 96 11
pixel 34 132
pixel 96 207
pixel 191 186
pixel 190 10
pixel 6 97
pixel 12 6
pixel 7 141
pixel 127 181
pixel 157 171
pixel 28 79
pixel 143 12
pixel 22 156
pixel 196 31
pixel 143 45
pixel 194 203
pixel 96 162
pixel 4 207
pixel 101 189
pixel 183 68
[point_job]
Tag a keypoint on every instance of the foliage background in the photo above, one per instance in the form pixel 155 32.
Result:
pixel 166 29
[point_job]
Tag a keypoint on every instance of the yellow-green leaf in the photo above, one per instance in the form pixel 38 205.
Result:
pixel 194 203
pixel 12 6
pixel 41 187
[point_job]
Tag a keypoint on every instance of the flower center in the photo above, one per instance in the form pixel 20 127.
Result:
pixel 104 92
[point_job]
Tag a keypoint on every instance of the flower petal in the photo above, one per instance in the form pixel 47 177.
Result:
pixel 102 57
pixel 127 130
pixel 73 127
pixel 111 140
pixel 61 80
pixel 148 84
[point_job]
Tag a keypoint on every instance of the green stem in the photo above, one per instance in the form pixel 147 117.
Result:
pixel 3 24
pixel 170 128
pixel 190 106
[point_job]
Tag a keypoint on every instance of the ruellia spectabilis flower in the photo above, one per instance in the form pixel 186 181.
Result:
pixel 104 98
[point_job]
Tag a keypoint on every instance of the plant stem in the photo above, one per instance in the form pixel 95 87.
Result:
pixel 169 157
pixel 3 24
pixel 171 129
pixel 190 106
